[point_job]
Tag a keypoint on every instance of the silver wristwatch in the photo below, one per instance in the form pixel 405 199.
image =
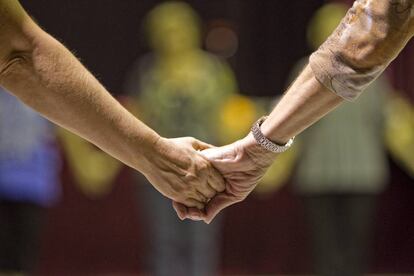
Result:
pixel 266 143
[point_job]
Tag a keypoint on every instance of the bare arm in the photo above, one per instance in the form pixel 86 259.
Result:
pixel 369 37
pixel 244 162
pixel 46 76
pixel 305 102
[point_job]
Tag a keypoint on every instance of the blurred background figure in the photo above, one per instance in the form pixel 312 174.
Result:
pixel 342 169
pixel 29 182
pixel 94 171
pixel 399 134
pixel 179 90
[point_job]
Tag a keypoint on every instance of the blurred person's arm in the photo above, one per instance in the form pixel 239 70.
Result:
pixel 369 37
pixel 46 76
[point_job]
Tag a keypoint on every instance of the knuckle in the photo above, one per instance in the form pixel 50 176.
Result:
pixel 190 177
pixel 189 139
pixel 211 193
pixel 201 194
pixel 192 194
pixel 201 198
pixel 220 182
pixel 199 164
pixel 204 167
pixel 221 188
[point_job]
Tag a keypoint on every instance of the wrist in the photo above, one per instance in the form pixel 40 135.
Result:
pixel 279 137
pixel 145 151
pixel 265 142
pixel 261 155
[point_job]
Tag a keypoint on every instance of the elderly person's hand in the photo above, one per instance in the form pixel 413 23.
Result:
pixel 178 171
pixel 242 164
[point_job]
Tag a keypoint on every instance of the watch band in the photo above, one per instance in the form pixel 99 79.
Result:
pixel 266 143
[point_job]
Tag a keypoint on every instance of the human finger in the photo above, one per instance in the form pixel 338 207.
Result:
pixel 204 194
pixel 216 205
pixel 190 202
pixel 188 213
pixel 216 180
pixel 207 191
pixel 195 214
pixel 180 209
pixel 200 145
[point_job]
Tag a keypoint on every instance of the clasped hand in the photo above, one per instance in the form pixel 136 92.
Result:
pixel 203 191
pixel 177 170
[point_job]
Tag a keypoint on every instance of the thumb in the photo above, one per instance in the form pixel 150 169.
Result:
pixel 184 212
pixel 180 209
pixel 216 205
pixel 224 153
pixel 200 145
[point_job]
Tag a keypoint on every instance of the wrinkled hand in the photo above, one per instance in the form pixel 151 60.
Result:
pixel 180 173
pixel 242 164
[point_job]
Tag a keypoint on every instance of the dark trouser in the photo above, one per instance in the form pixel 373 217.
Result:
pixel 178 248
pixel 341 228
pixel 19 235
